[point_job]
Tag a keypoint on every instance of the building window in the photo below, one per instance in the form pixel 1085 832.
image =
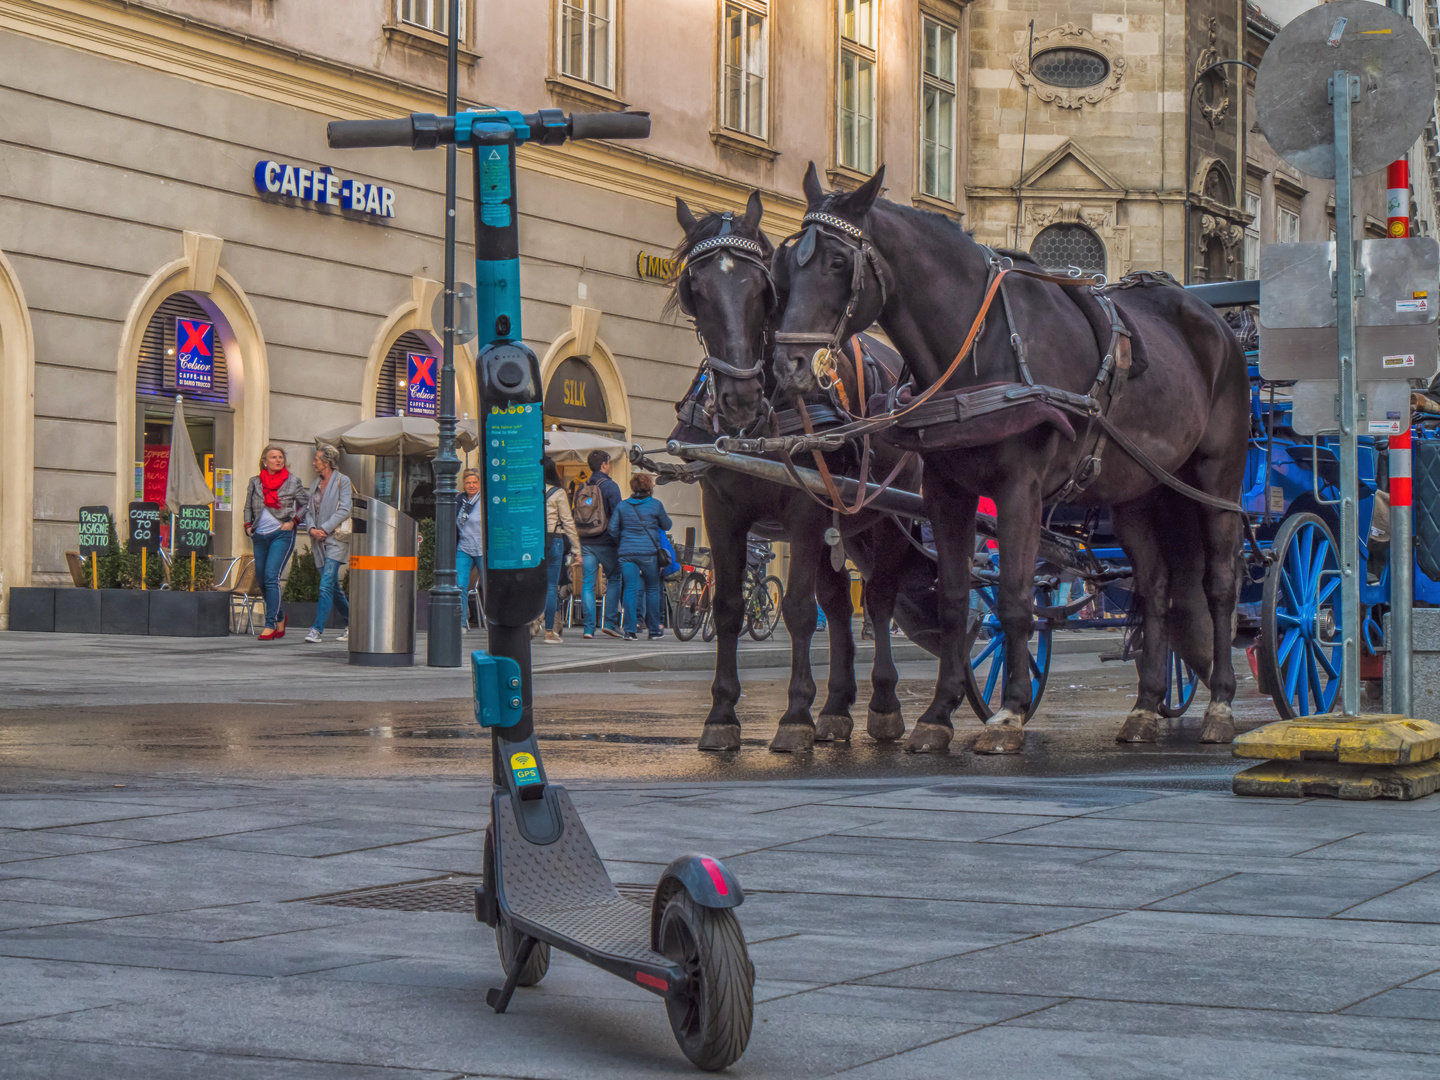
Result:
pixel 937 110
pixel 1252 236
pixel 855 99
pixel 1287 225
pixel 744 65
pixel 587 41
pixel 428 15
pixel 1063 246
pixel 1070 68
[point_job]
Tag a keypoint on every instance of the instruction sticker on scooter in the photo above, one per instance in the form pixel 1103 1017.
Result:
pixel 523 766
pixel 1399 360
pixel 515 521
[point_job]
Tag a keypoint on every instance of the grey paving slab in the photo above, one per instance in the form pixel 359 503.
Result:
pixel 21 916
pixel 843 957
pixel 1416 902
pixel 1000 799
pixel 1238 1022
pixel 1422 847
pixel 23 813
pixel 234 922
pixel 1187 837
pixel 1408 1002
pixel 1125 959
pixel 953 825
pixel 45 1059
pixel 1310 895
pixel 189 824
pixel 334 837
pixel 18 844
pixel 1002 1053
pixel 31 988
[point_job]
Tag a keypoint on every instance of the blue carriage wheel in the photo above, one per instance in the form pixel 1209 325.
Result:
pixel 1301 617
pixel 989 670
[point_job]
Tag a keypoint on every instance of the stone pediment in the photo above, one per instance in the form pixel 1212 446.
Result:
pixel 1070 169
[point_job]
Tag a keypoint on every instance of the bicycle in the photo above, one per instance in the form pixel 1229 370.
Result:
pixel 693 607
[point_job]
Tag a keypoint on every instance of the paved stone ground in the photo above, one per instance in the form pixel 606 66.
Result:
pixel 965 927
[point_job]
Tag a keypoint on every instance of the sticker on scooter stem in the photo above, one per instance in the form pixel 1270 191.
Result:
pixel 525 770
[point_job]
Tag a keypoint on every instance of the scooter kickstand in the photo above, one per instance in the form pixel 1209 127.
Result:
pixel 499 999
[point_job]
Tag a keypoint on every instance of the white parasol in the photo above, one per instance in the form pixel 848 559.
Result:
pixel 398 435
pixel 576 445
pixel 184 482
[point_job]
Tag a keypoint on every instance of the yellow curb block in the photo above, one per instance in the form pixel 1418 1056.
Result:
pixel 1361 740
pixel 1296 779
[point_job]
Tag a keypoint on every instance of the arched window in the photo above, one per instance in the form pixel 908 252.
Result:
pixel 392 395
pixel 1065 245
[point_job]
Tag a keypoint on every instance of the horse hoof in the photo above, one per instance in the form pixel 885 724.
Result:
pixel 885 726
pixel 929 738
pixel 1218 725
pixel 790 738
pixel 833 727
pixel 1141 725
pixel 720 737
pixel 1004 734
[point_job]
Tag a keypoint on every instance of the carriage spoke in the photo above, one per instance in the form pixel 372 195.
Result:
pixel 1286 644
pixel 1326 664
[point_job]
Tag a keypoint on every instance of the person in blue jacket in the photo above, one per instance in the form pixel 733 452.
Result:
pixel 637 526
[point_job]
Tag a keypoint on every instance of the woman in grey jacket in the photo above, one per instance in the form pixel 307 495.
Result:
pixel 330 503
pixel 274 505
pixel 636 527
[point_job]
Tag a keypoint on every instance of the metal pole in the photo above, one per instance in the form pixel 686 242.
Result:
pixel 442 648
pixel 1402 575
pixel 1344 90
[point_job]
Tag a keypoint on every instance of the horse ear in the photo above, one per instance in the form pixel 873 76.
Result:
pixel 814 192
pixel 858 202
pixel 684 215
pixel 754 211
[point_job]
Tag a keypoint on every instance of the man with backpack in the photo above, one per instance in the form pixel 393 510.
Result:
pixel 593 508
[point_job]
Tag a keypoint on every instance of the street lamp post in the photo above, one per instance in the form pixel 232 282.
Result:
pixel 1189 106
pixel 442 648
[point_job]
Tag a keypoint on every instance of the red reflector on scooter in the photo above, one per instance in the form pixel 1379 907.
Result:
pixel 715 875
pixel 650 980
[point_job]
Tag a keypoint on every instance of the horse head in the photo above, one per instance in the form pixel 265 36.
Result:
pixel 833 281
pixel 723 283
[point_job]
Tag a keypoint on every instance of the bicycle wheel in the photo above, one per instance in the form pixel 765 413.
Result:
pixel 690 607
pixel 707 629
pixel 762 607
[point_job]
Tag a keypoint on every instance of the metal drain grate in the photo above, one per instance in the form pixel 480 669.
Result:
pixel 447 895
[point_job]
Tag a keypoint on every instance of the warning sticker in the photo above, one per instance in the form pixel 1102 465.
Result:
pixel 1422 304
pixel 1385 427
pixel 1399 360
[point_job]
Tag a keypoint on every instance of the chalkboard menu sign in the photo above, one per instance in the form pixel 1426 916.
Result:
pixel 94 530
pixel 192 530
pixel 144 527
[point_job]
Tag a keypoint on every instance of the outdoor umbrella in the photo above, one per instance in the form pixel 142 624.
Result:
pixel 184 482
pixel 576 445
pixel 400 435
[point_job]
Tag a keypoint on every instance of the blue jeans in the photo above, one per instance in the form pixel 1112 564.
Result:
pixel 464 564
pixel 271 554
pixel 635 569
pixel 330 593
pixel 555 565
pixel 601 556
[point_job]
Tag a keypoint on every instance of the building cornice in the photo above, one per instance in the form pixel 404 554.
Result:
pixel 218 56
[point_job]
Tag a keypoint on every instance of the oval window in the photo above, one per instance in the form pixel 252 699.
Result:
pixel 1069 67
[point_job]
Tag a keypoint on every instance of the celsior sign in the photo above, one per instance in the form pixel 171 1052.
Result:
pixel 321 187
pixel 194 354
pixel 424 391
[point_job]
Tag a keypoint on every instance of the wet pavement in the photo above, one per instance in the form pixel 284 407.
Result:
pixel 243 863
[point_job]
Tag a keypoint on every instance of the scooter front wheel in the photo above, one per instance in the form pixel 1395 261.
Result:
pixel 507 942
pixel 712 1013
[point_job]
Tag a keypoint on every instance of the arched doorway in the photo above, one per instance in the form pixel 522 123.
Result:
pixel 584 390
pixel 233 412
pixel 17 437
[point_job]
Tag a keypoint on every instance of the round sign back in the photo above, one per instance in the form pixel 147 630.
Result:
pixel 1365 39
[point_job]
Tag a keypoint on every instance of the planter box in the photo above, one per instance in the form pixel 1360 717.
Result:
pixel 77 611
pixel 187 614
pixel 124 611
pixel 301 614
pixel 32 610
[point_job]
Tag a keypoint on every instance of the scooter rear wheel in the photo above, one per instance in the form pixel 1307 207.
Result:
pixel 507 942
pixel 711 1015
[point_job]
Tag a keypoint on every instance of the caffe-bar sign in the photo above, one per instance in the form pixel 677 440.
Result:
pixel 321 187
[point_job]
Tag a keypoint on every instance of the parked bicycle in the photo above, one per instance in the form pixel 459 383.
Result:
pixel 693 607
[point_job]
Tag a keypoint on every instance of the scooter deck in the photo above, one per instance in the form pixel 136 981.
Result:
pixel 561 894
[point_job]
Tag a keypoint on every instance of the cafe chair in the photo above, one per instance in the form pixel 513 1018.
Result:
pixel 238 580
pixel 79 570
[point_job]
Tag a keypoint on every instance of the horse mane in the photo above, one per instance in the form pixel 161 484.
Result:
pixel 707 227
pixel 834 201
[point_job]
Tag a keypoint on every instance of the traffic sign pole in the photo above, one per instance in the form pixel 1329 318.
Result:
pixel 1344 91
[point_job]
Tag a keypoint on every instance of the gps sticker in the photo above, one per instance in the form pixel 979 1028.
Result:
pixel 523 766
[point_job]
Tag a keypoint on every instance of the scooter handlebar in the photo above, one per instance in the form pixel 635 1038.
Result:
pixel 621 125
pixel 344 134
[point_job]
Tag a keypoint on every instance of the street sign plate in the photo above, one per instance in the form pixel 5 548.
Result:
pixel 1387 407
pixel 1402 282
pixel 464 313
pixel 1397 86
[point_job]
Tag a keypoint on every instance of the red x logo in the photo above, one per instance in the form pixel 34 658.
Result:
pixel 194 337
pixel 422 373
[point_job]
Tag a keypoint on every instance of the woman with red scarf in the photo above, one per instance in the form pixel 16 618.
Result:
pixel 274 505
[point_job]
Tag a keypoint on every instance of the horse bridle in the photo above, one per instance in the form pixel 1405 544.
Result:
pixel 862 254
pixel 739 247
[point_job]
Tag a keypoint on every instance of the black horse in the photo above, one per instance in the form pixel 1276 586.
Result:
pixel 724 285
pixel 1060 408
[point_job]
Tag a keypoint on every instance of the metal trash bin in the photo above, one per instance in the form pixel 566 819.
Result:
pixel 383 547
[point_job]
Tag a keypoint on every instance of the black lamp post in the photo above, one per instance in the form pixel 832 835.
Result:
pixel 1189 140
pixel 442 648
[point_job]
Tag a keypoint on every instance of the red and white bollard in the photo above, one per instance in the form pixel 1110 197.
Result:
pixel 1402 574
pixel 1397 199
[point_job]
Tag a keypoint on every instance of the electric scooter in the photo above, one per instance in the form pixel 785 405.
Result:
pixel 544 884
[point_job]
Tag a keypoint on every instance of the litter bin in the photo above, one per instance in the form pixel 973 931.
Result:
pixel 383 546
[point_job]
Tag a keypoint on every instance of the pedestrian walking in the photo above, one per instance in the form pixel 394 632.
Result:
pixel 559 528
pixel 470 547
pixel 636 527
pixel 595 503
pixel 274 505
pixel 331 499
